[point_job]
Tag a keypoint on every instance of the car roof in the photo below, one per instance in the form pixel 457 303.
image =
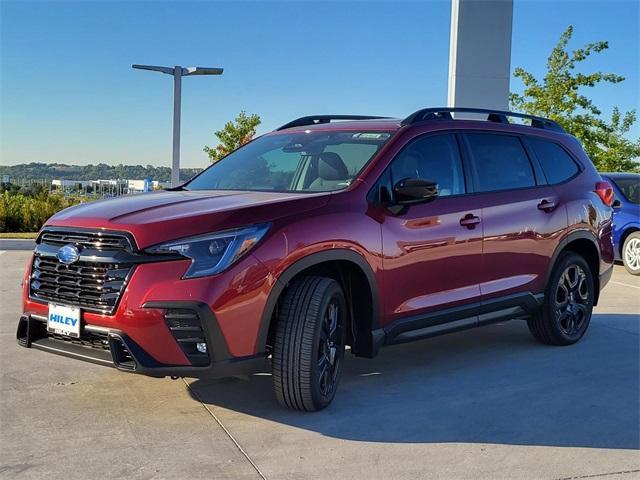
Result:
pixel 377 124
pixel 433 116
pixel 392 125
pixel 621 174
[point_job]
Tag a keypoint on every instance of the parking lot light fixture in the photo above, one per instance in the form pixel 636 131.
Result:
pixel 178 72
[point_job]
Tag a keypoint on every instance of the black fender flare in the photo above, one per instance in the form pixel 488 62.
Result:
pixel 582 234
pixel 304 263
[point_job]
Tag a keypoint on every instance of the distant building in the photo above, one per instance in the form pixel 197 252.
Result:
pixel 110 186
pixel 108 183
pixel 146 185
pixel 71 183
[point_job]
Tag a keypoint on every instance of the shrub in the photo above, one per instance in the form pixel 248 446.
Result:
pixel 22 213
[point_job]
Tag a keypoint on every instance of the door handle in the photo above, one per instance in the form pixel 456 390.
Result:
pixel 470 221
pixel 546 205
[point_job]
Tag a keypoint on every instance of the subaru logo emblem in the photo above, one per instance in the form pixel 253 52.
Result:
pixel 68 254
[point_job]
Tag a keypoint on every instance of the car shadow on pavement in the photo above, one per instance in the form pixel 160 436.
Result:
pixel 487 385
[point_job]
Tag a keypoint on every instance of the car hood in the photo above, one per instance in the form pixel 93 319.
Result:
pixel 161 216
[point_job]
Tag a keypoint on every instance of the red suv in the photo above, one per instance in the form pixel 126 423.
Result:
pixel 320 235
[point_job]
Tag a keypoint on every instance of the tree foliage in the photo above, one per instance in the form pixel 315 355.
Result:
pixel 559 96
pixel 61 171
pixel 27 213
pixel 233 135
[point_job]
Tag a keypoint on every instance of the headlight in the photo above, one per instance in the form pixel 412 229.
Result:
pixel 212 253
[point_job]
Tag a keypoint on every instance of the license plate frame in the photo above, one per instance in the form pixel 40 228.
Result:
pixel 64 320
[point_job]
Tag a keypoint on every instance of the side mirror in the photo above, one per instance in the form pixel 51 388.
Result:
pixel 415 190
pixel 616 204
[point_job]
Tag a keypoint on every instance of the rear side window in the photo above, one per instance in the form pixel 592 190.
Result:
pixel 557 165
pixel 499 162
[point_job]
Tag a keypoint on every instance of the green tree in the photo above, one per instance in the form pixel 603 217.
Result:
pixel 233 135
pixel 559 96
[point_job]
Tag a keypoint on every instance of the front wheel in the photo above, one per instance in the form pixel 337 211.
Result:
pixel 631 253
pixel 308 348
pixel 566 312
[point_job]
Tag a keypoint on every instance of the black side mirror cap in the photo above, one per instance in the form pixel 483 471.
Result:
pixel 409 191
pixel 616 204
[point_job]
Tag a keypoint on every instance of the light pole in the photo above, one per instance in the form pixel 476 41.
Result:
pixel 178 72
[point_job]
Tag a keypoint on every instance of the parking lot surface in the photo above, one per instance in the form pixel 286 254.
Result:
pixel 488 403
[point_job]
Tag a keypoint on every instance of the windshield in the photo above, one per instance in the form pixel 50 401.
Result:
pixel 310 161
pixel 630 188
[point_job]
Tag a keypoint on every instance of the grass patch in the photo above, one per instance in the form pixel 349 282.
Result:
pixel 27 235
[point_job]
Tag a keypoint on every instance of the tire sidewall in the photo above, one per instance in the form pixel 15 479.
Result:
pixel 565 261
pixel 627 241
pixel 334 292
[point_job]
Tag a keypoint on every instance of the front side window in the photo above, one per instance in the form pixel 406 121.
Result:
pixel 499 162
pixel 557 165
pixel 311 161
pixel 432 157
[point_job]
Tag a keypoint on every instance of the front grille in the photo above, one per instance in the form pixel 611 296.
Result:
pixel 95 240
pixel 93 286
pixel 89 339
pixel 95 282
pixel 98 341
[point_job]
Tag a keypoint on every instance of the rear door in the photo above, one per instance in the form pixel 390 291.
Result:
pixel 522 220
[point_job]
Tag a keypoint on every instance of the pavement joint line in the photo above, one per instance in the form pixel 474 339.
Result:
pixel 596 475
pixel 231 437
pixel 622 330
pixel 625 284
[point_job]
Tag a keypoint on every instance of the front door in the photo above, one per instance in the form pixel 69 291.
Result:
pixel 431 251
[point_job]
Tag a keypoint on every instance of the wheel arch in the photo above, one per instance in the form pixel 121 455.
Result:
pixel 628 230
pixel 584 243
pixel 357 279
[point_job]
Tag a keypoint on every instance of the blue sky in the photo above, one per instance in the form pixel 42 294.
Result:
pixel 69 93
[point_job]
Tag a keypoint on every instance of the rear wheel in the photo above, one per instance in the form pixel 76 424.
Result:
pixel 631 253
pixel 309 343
pixel 566 312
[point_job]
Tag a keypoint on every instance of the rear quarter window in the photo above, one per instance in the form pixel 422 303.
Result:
pixel 556 163
pixel 629 187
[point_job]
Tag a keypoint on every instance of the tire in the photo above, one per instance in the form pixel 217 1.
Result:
pixel 631 253
pixel 309 340
pixel 565 314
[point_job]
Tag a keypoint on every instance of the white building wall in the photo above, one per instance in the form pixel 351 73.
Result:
pixel 480 53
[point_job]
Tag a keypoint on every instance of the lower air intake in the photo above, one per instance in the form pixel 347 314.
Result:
pixel 186 327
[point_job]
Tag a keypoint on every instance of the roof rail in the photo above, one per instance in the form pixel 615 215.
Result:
pixel 499 116
pixel 317 119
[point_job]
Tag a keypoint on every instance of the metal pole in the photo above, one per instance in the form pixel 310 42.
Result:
pixel 177 93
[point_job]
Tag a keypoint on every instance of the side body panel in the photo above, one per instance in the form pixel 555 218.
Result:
pixel 625 219
pixel 519 240
pixel 431 262
pixel 587 215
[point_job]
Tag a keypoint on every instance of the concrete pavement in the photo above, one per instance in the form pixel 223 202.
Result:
pixel 487 403
pixel 17 244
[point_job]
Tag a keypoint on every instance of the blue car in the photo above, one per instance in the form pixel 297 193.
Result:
pixel 626 219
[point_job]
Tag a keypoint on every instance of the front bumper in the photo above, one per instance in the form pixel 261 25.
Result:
pixel 229 307
pixel 114 348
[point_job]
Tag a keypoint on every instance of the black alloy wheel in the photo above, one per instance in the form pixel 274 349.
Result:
pixel 565 314
pixel 572 300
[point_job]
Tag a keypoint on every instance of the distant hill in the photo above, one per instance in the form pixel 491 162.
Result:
pixel 51 171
